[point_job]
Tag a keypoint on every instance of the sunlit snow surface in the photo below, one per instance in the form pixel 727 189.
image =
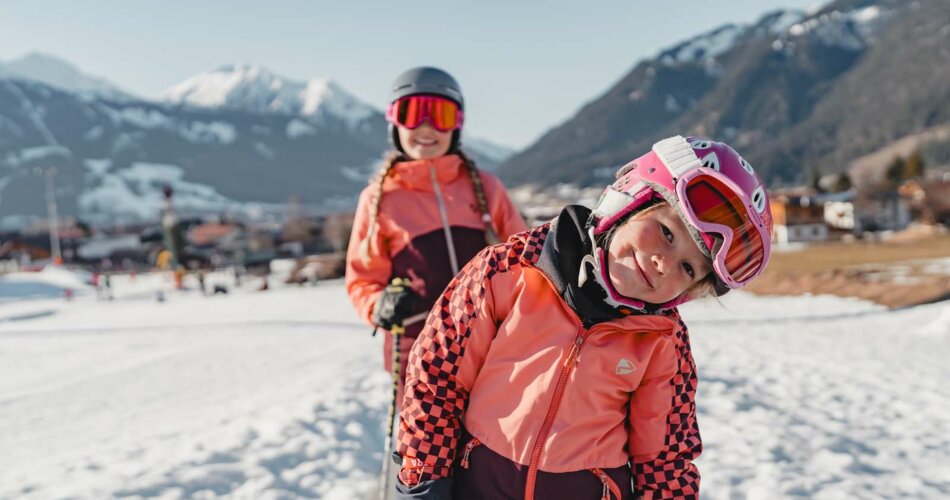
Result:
pixel 280 394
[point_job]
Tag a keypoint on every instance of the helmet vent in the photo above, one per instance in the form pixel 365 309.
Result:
pixel 758 199
pixel 700 144
pixel 711 161
pixel 746 166
pixel 624 170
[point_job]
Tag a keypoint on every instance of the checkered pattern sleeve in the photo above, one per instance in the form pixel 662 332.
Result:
pixel 449 350
pixel 663 464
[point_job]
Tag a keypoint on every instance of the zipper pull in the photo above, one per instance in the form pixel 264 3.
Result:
pixel 605 495
pixel 468 450
pixel 575 351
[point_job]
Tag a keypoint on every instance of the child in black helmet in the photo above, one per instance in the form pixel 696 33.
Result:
pixel 427 212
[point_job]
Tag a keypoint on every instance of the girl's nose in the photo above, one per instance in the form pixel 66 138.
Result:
pixel 659 262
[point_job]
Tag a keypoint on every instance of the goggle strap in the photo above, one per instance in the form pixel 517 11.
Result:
pixel 619 204
pixel 677 155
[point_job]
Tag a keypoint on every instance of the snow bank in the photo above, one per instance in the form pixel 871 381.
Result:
pixel 53 276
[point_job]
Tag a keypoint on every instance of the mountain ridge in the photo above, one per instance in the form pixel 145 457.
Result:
pixel 112 156
pixel 60 73
pixel 787 91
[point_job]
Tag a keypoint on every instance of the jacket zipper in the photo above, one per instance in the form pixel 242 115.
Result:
pixel 445 221
pixel 570 362
pixel 567 368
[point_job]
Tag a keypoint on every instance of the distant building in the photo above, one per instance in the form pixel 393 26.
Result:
pixel 212 234
pixel 797 217
pixel 885 211
pixel 25 248
pixel 840 211
pixel 104 246
pixel 929 199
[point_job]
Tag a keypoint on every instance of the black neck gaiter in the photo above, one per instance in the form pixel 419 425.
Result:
pixel 567 243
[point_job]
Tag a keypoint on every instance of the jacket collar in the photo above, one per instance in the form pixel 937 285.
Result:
pixel 416 175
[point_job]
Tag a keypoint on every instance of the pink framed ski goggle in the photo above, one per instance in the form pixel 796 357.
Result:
pixel 713 203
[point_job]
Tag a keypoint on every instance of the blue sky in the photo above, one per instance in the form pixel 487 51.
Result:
pixel 524 66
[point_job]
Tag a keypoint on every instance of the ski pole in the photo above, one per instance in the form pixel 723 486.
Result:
pixel 398 331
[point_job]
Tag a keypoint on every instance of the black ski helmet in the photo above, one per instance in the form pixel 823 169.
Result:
pixel 430 81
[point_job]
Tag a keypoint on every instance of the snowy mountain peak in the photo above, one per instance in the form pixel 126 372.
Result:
pixel 328 95
pixel 779 21
pixel 59 73
pixel 256 89
pixel 705 46
pixel 245 86
pixel 851 29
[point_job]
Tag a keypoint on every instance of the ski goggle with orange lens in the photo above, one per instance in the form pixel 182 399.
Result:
pixel 443 114
pixel 713 204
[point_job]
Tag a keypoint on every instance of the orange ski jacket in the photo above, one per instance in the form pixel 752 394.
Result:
pixel 505 357
pixel 424 204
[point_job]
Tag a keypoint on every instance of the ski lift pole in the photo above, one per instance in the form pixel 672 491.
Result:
pixel 397 331
pixel 56 254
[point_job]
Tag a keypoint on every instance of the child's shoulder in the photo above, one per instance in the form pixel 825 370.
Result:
pixel 520 249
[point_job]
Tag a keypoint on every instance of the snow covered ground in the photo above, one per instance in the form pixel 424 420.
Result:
pixel 279 394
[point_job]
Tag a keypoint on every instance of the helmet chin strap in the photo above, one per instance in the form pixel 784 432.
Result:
pixel 588 259
pixel 598 261
pixel 582 274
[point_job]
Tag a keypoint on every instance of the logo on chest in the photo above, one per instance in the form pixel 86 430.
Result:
pixel 624 367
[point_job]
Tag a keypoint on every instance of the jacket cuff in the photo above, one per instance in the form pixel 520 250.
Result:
pixel 436 489
pixel 415 471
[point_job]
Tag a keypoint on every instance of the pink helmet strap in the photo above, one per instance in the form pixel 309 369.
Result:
pixel 620 205
pixel 598 260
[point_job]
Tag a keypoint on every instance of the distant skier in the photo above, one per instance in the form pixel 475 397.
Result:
pixel 107 286
pixel 97 283
pixel 427 212
pixel 179 276
pixel 558 365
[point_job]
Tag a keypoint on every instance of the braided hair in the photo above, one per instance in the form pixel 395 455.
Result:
pixel 491 236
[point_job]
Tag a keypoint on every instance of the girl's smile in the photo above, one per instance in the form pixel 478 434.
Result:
pixel 653 258
pixel 424 142
pixel 642 272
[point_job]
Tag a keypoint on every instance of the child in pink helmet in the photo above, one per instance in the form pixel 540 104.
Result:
pixel 556 365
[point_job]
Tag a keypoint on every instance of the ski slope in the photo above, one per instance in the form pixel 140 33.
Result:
pixel 279 394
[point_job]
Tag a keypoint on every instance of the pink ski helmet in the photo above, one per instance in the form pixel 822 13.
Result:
pixel 716 193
